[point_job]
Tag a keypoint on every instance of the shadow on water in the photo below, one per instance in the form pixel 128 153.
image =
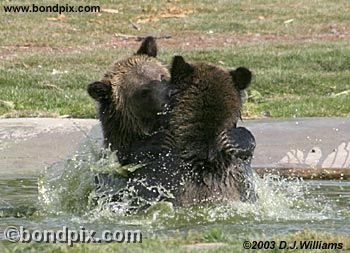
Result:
pixel 62 196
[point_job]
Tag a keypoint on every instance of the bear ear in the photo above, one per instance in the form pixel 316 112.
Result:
pixel 148 47
pixel 180 68
pixel 241 77
pixel 99 90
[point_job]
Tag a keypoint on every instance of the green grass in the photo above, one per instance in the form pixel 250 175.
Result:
pixel 223 16
pixel 50 84
pixel 217 243
pixel 290 80
pixel 46 64
pixel 301 68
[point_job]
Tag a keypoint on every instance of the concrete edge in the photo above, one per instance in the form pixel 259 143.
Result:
pixel 306 173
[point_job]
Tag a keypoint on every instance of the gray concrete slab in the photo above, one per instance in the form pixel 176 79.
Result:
pixel 298 146
pixel 28 145
pixel 304 147
pixel 301 143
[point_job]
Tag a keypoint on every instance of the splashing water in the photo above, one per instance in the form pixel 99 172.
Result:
pixel 68 188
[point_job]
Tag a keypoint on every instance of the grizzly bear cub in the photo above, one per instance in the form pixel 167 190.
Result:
pixel 130 98
pixel 206 108
pixel 182 131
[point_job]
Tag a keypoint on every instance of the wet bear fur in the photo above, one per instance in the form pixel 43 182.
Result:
pixel 131 100
pixel 203 130
pixel 130 97
pixel 195 152
pixel 205 157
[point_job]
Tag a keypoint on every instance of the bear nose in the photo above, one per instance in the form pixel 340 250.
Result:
pixel 173 92
pixel 171 89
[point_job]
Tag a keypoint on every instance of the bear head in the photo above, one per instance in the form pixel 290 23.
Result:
pixel 131 95
pixel 207 101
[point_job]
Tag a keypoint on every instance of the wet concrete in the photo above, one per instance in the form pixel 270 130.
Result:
pixel 27 146
pixel 315 146
pixel 306 147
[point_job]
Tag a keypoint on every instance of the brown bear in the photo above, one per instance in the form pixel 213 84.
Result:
pixel 204 157
pixel 203 130
pixel 190 150
pixel 130 97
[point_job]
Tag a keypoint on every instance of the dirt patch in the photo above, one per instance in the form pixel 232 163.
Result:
pixel 224 40
pixel 184 41
pixel 204 246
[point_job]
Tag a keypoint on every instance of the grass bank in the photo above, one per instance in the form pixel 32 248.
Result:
pixel 299 51
pixel 211 241
pixel 290 79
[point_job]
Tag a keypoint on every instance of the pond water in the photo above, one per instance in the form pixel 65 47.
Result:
pixel 61 197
